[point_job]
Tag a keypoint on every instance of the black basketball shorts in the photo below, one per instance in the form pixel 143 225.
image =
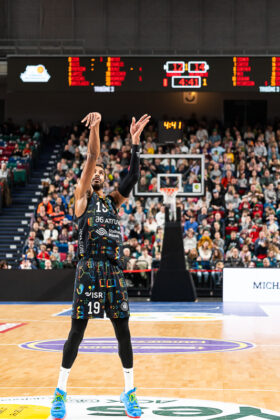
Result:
pixel 99 287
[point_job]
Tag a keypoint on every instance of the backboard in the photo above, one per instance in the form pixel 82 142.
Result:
pixel 182 171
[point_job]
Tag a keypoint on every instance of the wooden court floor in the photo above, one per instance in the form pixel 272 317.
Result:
pixel 250 376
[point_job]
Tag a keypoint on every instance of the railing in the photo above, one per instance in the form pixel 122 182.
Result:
pixel 77 46
pixel 41 46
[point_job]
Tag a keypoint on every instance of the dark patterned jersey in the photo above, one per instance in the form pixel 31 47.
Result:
pixel 99 231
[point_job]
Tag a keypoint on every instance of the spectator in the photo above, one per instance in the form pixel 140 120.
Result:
pixel 69 262
pixel 160 216
pixel 217 202
pixel 26 265
pixel 266 263
pixel 51 232
pixel 57 216
pixel 48 265
pixel 4 265
pixel 190 241
pixel 43 254
pixel 233 259
pixel 191 224
pixel 146 257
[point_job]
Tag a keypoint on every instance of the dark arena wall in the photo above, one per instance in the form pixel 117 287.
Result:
pixel 37 285
pixel 63 108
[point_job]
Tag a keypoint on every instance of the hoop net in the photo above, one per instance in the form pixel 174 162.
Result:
pixel 169 195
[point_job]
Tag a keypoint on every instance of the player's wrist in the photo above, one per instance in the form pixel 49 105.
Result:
pixel 135 147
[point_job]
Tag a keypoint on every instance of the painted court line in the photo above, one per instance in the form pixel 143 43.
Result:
pixel 170 388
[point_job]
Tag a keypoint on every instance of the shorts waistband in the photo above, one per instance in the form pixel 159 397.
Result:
pixel 103 260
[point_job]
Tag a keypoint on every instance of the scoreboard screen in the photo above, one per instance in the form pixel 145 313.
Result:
pixel 104 74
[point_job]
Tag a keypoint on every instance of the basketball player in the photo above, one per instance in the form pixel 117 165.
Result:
pixel 99 284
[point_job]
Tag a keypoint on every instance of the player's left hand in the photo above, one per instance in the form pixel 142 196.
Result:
pixel 137 127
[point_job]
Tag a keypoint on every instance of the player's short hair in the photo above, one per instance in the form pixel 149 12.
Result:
pixel 101 164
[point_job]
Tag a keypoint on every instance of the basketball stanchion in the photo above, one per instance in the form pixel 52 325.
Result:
pixel 173 282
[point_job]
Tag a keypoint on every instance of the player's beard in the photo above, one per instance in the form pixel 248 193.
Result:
pixel 97 185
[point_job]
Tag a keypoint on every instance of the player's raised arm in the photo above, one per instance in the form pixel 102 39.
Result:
pixel 127 184
pixel 92 120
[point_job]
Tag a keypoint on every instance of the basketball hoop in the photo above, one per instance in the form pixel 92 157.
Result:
pixel 169 198
pixel 169 194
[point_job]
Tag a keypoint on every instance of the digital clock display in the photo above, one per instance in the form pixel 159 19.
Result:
pixel 170 131
pixel 109 74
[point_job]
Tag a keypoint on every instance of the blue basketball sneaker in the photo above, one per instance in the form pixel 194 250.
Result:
pixel 58 410
pixel 132 408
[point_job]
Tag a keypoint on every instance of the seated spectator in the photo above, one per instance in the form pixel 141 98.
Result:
pixel 190 241
pixel 69 262
pixel 29 245
pixel 271 256
pixel 46 204
pixel 71 251
pixel 48 265
pixel 56 254
pixel 151 224
pixel 160 217
pixel 63 236
pixel 31 256
pixel 205 251
pixel 218 274
pixel 27 151
pixel 233 259
pixel 67 153
pixel 38 232
pixel 129 261
pixel 156 260
pixel 270 194
pixel 217 202
pixel 57 216
pixel 266 263
pixel 202 215
pixel 17 152
pixel 245 253
pixel 266 179
pixel 4 265
pixel 136 232
pixel 26 265
pixel 261 248
pixel 272 224
pixel 191 224
pixel 43 254
pixel 146 257
pixel 50 232
pixel 192 259
pixel 232 241
pixel 216 256
pixel 218 242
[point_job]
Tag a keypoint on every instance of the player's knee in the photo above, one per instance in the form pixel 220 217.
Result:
pixel 76 336
pixel 121 330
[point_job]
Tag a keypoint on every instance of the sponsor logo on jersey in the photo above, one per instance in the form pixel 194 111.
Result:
pixel 142 345
pixel 101 232
pixel 124 306
pixel 83 407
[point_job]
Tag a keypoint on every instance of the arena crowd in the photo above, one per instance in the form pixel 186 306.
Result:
pixel 236 224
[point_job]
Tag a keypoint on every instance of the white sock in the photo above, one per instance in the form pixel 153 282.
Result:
pixel 63 378
pixel 128 379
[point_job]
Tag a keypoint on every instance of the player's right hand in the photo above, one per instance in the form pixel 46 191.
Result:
pixel 92 119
